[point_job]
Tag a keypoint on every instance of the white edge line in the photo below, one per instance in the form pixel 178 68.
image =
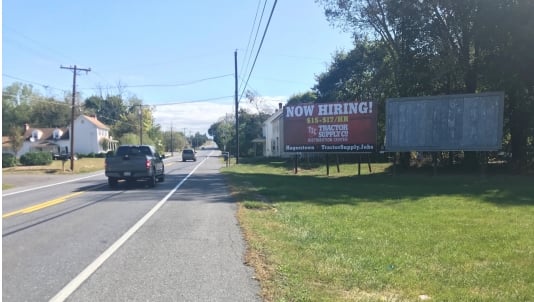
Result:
pixel 91 268
pixel 50 185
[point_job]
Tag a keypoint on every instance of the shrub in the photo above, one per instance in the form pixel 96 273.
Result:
pixel 8 160
pixel 36 159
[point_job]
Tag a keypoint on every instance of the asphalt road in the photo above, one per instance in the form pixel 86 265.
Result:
pixel 72 238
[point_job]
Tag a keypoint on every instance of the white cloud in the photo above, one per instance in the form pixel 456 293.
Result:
pixel 194 117
pixel 198 117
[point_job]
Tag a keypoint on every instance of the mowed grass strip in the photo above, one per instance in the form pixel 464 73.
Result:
pixel 82 165
pixel 386 238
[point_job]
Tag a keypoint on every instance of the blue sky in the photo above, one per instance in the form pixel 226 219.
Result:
pixel 177 55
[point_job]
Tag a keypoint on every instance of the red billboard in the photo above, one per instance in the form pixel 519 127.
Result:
pixel 330 127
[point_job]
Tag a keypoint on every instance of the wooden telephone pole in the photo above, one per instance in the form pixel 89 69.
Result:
pixel 75 70
pixel 236 112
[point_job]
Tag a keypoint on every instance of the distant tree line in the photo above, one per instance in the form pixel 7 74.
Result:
pixel 250 128
pixel 127 118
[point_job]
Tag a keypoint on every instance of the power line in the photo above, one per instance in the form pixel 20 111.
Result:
pixel 38 43
pixel 32 82
pixel 255 37
pixel 259 48
pixel 194 101
pixel 250 35
pixel 165 85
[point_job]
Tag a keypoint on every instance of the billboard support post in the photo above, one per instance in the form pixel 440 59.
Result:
pixel 435 163
pixel 296 162
pixel 484 163
pixel 359 165
pixel 395 159
pixel 327 165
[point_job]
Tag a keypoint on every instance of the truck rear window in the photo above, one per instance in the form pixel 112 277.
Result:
pixel 141 150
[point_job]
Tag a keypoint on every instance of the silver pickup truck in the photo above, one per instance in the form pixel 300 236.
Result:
pixel 134 162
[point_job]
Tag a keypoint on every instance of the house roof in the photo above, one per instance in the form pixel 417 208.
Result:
pixel 6 142
pixel 274 116
pixel 47 133
pixel 96 122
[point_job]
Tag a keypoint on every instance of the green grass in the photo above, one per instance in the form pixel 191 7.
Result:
pixel 387 238
pixel 6 186
pixel 82 165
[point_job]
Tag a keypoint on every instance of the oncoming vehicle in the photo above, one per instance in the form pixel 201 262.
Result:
pixel 189 154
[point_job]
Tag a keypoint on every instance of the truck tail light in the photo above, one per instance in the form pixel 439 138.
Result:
pixel 147 164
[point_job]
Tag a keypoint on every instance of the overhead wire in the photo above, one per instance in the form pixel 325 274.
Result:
pixel 168 85
pixel 255 38
pixel 32 82
pixel 52 51
pixel 250 35
pixel 194 101
pixel 259 49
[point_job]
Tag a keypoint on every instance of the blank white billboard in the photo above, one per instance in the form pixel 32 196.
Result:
pixel 466 122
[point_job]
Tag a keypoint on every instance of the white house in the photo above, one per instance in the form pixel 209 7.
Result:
pixel 273 131
pixel 89 135
pixel 51 140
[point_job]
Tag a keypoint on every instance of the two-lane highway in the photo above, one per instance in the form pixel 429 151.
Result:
pixel 83 241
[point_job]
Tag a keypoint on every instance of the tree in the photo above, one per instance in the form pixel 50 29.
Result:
pixel 223 132
pixel 306 97
pixel 49 113
pixel 108 110
pixel 173 141
pixel 137 119
pixel 259 103
pixel 507 40
pixel 16 138
pixel 22 104
pixel 129 139
pixel 250 128
pixel 450 46
pixel 16 105
pixel 198 140
pixel 361 74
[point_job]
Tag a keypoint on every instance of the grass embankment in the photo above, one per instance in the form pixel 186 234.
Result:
pixel 386 238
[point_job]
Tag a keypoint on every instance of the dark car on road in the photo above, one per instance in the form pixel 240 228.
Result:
pixel 189 154
pixel 135 162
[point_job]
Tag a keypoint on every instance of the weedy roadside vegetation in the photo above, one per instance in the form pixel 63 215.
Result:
pixel 379 237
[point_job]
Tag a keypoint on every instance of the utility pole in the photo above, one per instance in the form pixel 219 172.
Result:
pixel 75 70
pixel 172 143
pixel 236 112
pixel 141 124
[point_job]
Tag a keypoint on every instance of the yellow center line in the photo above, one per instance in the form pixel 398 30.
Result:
pixel 42 205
